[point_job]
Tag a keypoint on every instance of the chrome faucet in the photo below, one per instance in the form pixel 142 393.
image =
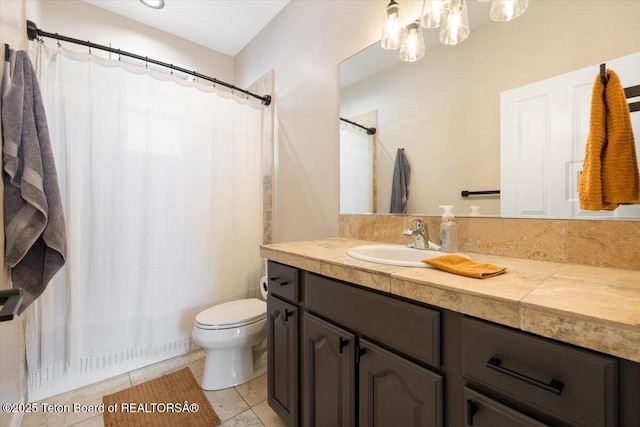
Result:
pixel 420 234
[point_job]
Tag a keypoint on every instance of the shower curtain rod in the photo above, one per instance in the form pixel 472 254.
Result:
pixel 370 131
pixel 33 33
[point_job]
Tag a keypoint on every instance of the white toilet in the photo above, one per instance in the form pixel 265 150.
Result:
pixel 234 336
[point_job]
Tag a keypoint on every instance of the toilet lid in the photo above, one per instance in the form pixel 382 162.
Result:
pixel 233 313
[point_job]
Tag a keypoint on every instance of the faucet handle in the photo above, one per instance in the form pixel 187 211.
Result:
pixel 419 224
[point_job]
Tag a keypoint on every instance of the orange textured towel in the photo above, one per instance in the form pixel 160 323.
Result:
pixel 610 171
pixel 464 266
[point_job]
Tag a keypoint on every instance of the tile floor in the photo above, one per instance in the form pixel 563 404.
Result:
pixel 241 406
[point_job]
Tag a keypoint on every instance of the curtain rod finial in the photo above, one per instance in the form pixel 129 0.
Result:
pixel 32 30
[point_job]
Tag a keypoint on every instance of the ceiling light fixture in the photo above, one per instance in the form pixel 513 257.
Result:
pixel 454 25
pixel 450 15
pixel 432 12
pixel 392 27
pixel 412 46
pixel 506 10
pixel 154 4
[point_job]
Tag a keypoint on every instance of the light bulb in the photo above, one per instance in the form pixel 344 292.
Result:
pixel 506 10
pixel 391 27
pixel 154 4
pixel 412 48
pixel 455 23
pixel 432 12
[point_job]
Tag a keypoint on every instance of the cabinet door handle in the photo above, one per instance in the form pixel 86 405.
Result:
pixel 359 353
pixel 277 281
pixel 472 408
pixel 287 314
pixel 342 343
pixel 554 386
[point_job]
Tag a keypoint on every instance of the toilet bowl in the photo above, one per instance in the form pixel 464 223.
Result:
pixel 233 335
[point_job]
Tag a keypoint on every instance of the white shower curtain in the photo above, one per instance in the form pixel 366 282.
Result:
pixel 356 170
pixel 162 189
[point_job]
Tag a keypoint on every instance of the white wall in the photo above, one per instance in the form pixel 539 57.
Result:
pixel 77 19
pixel 304 45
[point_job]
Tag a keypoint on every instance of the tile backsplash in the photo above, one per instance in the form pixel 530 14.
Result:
pixel 603 243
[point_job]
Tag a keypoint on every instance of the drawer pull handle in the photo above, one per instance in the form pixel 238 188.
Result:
pixel 287 314
pixel 279 281
pixel 554 386
pixel 342 343
pixel 472 408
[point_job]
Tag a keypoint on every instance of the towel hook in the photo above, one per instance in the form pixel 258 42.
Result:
pixel 603 73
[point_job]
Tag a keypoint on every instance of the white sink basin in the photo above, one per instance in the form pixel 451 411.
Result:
pixel 393 255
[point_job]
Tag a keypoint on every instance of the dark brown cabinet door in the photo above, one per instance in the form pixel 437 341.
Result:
pixel 480 411
pixel 282 339
pixel 396 392
pixel 328 367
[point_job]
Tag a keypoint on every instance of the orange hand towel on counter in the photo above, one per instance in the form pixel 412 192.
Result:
pixel 610 171
pixel 464 266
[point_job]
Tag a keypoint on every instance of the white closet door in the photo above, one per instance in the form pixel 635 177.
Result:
pixel 543 134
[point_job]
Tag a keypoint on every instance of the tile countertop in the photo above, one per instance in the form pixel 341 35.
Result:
pixel 592 307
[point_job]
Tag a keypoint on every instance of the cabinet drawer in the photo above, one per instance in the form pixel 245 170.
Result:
pixel 283 281
pixel 480 411
pixel 411 329
pixel 573 385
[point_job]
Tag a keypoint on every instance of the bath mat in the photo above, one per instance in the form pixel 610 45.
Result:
pixel 172 400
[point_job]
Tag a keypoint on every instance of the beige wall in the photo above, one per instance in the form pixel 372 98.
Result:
pixel 445 109
pixel 77 19
pixel 304 45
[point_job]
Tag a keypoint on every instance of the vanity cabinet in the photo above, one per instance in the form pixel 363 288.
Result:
pixel 282 342
pixel 328 366
pixel 396 392
pixel 391 390
pixel 558 381
pixel 481 411
pixel 343 355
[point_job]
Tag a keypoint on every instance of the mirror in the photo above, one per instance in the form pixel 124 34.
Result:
pixel 444 110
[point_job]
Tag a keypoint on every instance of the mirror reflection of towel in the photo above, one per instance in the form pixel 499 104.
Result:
pixel 400 184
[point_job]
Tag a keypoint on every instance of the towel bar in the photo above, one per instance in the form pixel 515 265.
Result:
pixel 467 193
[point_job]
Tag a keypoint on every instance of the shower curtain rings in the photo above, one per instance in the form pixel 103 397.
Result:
pixel 146 62
pixel 89 47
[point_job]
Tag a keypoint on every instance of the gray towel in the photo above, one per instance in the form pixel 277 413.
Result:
pixel 400 184
pixel 33 218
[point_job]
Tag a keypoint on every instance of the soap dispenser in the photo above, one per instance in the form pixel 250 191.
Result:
pixel 448 230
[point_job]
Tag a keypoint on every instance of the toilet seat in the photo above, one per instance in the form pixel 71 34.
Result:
pixel 232 314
